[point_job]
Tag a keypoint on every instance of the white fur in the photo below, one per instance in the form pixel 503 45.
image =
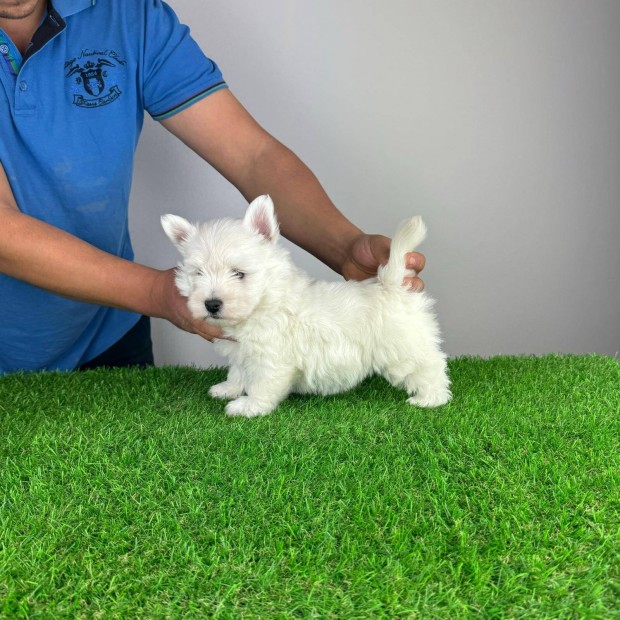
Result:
pixel 295 334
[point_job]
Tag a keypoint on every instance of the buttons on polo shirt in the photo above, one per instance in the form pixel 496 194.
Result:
pixel 4 49
pixel 25 93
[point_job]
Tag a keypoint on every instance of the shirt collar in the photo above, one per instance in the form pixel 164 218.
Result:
pixel 69 7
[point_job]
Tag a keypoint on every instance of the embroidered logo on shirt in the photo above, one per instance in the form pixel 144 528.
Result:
pixel 90 72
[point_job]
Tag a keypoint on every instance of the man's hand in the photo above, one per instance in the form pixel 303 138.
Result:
pixel 173 307
pixel 368 252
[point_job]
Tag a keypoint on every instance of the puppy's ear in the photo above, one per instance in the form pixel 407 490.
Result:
pixel 177 229
pixel 261 218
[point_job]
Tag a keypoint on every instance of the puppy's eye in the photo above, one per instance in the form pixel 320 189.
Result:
pixel 238 274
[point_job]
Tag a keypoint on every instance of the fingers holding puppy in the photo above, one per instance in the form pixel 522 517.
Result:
pixel 172 306
pixel 416 262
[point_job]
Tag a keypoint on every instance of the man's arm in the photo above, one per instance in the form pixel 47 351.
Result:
pixel 223 133
pixel 50 258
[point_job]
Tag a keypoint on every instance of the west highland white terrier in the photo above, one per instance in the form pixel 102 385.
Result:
pixel 295 334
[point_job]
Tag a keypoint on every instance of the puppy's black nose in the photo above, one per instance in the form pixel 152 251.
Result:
pixel 213 306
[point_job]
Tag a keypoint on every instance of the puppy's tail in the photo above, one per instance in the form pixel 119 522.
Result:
pixel 408 236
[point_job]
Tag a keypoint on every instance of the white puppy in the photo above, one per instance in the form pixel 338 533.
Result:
pixel 295 334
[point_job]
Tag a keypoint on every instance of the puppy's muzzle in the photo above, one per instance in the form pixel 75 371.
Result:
pixel 213 306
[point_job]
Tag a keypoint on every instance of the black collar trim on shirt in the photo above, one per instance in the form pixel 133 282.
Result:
pixel 51 26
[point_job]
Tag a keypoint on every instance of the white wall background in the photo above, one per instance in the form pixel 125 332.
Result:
pixel 497 120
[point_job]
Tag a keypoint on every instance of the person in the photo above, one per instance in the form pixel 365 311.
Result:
pixel 77 77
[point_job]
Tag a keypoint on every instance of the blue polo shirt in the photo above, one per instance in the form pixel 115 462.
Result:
pixel 71 112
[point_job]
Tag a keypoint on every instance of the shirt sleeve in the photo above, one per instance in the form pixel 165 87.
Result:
pixel 176 71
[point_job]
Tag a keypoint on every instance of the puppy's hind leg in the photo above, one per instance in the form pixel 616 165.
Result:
pixel 429 385
pixel 426 382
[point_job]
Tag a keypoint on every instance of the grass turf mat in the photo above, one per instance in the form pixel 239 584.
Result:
pixel 129 494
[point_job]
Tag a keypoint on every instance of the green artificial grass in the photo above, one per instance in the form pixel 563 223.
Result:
pixel 129 494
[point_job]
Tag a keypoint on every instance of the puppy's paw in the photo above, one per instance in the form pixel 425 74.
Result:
pixel 225 390
pixel 247 407
pixel 430 400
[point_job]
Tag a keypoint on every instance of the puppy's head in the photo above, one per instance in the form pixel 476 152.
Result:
pixel 226 263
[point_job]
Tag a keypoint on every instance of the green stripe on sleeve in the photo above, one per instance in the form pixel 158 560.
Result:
pixel 189 102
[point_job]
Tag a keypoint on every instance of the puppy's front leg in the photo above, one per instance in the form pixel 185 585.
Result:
pixel 231 388
pixel 265 391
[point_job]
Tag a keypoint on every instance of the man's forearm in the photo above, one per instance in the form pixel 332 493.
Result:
pixel 306 214
pixel 49 258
